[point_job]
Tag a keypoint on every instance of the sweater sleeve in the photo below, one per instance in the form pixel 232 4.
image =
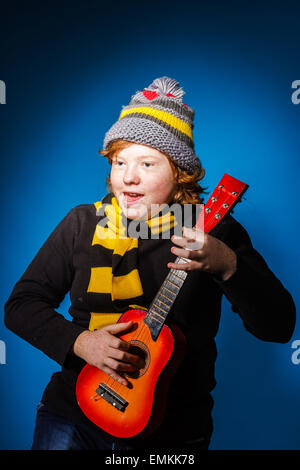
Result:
pixel 30 310
pixel 265 306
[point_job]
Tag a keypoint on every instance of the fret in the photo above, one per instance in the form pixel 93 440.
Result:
pixel 156 319
pixel 154 325
pixel 171 301
pixel 172 283
pixel 171 292
pixel 181 274
pixel 168 280
pixel 214 210
pixel 175 279
pixel 155 306
pixel 164 303
pixel 162 307
pixel 181 260
pixel 159 314
pixel 177 275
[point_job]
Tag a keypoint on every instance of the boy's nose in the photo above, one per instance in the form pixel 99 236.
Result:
pixel 131 176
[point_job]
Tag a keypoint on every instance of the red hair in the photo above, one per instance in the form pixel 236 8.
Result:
pixel 187 190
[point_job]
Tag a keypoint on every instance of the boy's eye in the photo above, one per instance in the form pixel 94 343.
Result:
pixel 148 164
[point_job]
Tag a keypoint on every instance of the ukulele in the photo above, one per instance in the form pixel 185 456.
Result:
pixel 136 410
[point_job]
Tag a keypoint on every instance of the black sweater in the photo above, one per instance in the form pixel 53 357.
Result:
pixel 63 265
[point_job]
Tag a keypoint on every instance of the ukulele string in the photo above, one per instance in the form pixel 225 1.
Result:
pixel 143 331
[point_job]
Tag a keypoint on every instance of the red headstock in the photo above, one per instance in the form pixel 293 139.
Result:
pixel 222 200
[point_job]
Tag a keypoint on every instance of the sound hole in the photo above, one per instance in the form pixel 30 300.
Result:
pixel 139 349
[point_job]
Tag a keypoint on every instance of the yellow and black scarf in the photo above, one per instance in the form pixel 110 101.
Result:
pixel 115 283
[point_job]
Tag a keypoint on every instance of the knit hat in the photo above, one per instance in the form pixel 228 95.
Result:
pixel 156 116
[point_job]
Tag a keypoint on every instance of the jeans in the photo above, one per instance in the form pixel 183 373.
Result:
pixel 54 432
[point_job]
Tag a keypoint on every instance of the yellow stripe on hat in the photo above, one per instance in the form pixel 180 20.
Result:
pixel 168 118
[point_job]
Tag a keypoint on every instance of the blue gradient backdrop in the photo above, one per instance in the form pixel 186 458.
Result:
pixel 68 68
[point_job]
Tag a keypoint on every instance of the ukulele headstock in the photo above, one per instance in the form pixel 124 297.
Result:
pixel 224 197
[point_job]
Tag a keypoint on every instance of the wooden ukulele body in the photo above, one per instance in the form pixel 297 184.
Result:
pixel 138 409
pixel 135 410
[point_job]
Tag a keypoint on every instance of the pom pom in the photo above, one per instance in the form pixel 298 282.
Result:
pixel 165 85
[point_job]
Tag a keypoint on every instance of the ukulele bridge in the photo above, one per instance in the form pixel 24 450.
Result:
pixel 111 397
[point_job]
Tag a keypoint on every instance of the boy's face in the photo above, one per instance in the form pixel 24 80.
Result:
pixel 140 177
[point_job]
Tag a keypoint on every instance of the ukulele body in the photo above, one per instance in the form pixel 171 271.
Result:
pixel 135 410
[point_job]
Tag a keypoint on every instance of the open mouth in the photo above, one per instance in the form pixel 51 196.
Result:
pixel 132 198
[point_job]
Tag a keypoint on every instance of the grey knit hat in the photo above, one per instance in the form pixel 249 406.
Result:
pixel 157 117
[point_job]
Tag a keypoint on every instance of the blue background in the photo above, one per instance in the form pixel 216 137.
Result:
pixel 68 68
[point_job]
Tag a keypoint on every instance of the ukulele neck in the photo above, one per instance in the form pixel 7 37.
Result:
pixel 164 299
pixel 225 196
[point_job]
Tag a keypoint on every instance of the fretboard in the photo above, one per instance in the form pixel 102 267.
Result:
pixel 164 299
pixel 222 200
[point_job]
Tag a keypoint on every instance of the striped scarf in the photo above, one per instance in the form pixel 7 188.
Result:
pixel 115 283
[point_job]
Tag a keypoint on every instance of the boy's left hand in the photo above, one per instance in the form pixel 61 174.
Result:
pixel 204 252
